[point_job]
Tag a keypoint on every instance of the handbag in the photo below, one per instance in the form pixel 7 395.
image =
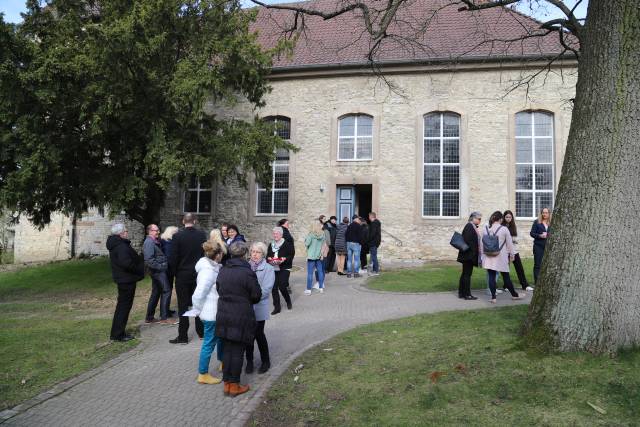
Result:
pixel 457 241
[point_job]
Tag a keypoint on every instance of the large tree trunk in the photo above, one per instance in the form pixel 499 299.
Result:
pixel 588 295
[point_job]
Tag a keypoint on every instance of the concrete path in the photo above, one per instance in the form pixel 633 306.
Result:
pixel 157 387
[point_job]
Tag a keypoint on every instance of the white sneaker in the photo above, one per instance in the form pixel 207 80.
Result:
pixel 316 286
pixel 307 292
pixel 322 290
pixel 499 291
pixel 363 271
pixel 529 288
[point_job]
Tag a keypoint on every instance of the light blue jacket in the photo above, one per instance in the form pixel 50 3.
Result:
pixel 266 279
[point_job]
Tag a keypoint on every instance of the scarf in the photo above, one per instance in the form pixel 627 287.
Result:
pixel 275 246
pixel 254 265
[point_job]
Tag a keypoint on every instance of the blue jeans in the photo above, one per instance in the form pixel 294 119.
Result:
pixel 208 343
pixel 373 251
pixel 353 252
pixel 318 266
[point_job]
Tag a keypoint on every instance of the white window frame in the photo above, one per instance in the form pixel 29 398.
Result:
pixel 441 164
pixel 274 164
pixel 198 189
pixel 533 163
pixel 355 138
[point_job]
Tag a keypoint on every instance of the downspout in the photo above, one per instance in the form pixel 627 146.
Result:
pixel 73 236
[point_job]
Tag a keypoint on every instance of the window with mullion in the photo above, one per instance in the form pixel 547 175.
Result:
pixel 197 197
pixel 275 200
pixel 534 163
pixel 441 166
pixel 355 137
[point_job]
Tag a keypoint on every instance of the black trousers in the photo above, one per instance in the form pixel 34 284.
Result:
pixel 126 292
pixel 464 285
pixel 160 291
pixel 170 278
pixel 282 280
pixel 263 346
pixel 364 251
pixel 232 359
pixel 493 275
pixel 330 260
pixel 538 253
pixel 522 278
pixel 184 292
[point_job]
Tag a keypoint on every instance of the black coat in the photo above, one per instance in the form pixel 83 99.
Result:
pixel 286 234
pixel 186 251
pixel 286 251
pixel 375 233
pixel 537 229
pixel 238 290
pixel 355 233
pixel 341 239
pixel 333 231
pixel 126 265
pixel 470 236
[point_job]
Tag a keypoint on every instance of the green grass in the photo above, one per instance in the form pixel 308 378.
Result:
pixel 54 324
pixel 456 368
pixel 438 277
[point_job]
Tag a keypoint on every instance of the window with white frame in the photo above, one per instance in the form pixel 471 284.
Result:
pixel 197 197
pixel 534 163
pixel 441 165
pixel 355 137
pixel 276 199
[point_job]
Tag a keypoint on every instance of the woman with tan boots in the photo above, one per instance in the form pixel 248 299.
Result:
pixel 238 290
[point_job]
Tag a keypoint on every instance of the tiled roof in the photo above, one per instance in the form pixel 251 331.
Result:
pixel 490 34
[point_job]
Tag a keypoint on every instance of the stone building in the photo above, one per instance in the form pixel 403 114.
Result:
pixel 451 136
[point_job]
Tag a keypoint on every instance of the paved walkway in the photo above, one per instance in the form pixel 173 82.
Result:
pixel 156 386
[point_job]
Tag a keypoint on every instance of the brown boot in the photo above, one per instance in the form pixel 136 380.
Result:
pixel 227 385
pixel 236 389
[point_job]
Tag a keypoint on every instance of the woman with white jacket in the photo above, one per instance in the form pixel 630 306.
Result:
pixel 499 261
pixel 205 300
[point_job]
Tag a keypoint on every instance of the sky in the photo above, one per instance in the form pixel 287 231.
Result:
pixel 12 9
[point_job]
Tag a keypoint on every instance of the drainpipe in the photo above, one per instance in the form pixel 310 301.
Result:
pixel 73 236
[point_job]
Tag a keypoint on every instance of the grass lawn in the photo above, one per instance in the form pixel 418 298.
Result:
pixel 54 324
pixel 455 368
pixel 439 277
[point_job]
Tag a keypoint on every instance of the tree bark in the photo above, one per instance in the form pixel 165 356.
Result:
pixel 588 294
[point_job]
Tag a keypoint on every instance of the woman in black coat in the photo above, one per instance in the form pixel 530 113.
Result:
pixel 238 290
pixel 469 258
pixel 280 253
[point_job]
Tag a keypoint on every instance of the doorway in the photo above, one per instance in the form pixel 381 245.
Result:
pixel 353 199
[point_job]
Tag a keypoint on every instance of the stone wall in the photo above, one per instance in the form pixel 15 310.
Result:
pixel 487 151
pixel 53 243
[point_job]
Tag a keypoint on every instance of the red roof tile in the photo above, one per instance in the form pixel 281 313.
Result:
pixel 490 34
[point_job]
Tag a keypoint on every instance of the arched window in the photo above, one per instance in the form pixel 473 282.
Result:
pixel 441 165
pixel 275 201
pixel 534 162
pixel 355 137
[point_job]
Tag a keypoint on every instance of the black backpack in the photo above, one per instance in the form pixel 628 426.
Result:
pixel 491 243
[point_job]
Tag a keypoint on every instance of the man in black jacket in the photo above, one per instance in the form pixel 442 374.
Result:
pixel 333 231
pixel 375 236
pixel 469 258
pixel 186 251
pixel 284 223
pixel 127 268
pixel 354 238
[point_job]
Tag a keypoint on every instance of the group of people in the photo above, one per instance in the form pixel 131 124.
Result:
pixel 229 294
pixel 494 246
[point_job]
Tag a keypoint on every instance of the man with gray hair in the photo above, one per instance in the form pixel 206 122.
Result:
pixel 127 268
pixel 156 262
pixel 470 257
pixel 186 251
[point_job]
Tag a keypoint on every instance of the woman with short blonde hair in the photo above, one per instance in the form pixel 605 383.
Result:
pixel 165 245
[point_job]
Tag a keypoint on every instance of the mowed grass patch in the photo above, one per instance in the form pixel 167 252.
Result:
pixel 455 368
pixel 439 277
pixel 55 321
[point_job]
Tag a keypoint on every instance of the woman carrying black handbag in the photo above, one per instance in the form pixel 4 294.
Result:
pixel 469 258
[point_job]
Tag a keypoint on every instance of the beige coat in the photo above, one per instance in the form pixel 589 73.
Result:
pixel 498 262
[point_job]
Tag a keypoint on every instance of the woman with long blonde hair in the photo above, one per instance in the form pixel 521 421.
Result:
pixel 540 233
pixel 313 243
